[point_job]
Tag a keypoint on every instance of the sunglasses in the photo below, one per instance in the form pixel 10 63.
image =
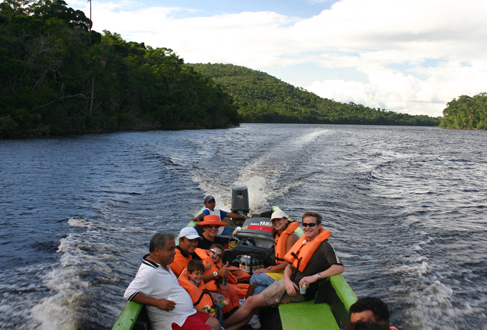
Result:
pixel 276 219
pixel 213 226
pixel 218 254
pixel 308 224
pixel 211 201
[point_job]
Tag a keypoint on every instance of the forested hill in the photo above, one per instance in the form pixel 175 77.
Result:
pixel 261 98
pixel 466 113
pixel 58 77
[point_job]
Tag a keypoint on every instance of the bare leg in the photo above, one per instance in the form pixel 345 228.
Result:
pixel 245 312
pixel 213 323
pixel 241 324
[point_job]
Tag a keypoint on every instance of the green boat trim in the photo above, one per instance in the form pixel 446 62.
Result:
pixel 328 311
pixel 128 317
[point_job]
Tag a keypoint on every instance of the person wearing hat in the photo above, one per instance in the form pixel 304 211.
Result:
pixel 210 225
pixel 283 232
pixel 210 210
pixel 188 241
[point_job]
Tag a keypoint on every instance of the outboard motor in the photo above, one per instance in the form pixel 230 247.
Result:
pixel 240 201
pixel 256 232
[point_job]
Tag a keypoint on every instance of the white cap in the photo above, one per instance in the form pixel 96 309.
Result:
pixel 279 214
pixel 189 232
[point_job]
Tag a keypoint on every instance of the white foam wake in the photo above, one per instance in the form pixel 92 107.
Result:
pixel 81 254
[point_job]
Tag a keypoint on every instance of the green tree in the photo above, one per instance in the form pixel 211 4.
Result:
pixel 466 112
pixel 260 97
pixel 57 76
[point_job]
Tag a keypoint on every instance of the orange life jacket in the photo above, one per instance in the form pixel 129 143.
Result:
pixel 298 256
pixel 199 293
pixel 202 253
pixel 205 258
pixel 231 296
pixel 281 241
pixel 180 262
pixel 238 275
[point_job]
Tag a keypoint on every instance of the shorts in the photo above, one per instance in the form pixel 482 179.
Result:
pixel 196 321
pixel 276 293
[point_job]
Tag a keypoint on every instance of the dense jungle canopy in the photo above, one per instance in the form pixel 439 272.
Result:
pixel 466 113
pixel 58 76
pixel 261 98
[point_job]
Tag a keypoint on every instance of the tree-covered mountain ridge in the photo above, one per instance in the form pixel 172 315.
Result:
pixel 57 76
pixel 262 98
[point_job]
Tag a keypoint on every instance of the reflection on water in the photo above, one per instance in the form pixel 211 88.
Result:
pixel 406 207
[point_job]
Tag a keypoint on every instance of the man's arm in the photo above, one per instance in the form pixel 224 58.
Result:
pixel 236 216
pixel 199 217
pixel 222 272
pixel 333 270
pixel 164 304
pixel 290 285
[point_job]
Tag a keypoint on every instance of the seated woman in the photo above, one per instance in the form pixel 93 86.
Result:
pixel 283 233
pixel 284 237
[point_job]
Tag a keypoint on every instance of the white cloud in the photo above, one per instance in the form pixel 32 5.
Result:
pixel 406 93
pixel 390 41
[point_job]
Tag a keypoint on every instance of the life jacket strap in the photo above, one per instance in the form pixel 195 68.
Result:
pixel 205 291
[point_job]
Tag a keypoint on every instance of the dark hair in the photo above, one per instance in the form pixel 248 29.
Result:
pixel 195 265
pixel 274 232
pixel 159 240
pixel 218 246
pixel 375 305
pixel 313 214
pixel 361 325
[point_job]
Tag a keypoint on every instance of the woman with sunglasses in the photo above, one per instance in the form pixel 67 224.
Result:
pixel 284 236
pixel 210 225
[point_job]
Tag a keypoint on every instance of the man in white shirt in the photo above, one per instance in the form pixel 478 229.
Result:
pixel 168 304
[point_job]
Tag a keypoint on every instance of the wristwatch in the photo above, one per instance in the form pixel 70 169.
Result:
pixel 215 273
pixel 319 276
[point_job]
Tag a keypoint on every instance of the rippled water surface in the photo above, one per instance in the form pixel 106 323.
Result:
pixel 406 206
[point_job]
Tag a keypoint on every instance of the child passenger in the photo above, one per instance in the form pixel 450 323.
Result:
pixel 191 280
pixel 212 259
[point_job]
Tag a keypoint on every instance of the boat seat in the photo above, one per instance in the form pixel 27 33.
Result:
pixel 307 315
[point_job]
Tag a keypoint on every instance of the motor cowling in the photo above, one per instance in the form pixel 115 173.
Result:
pixel 240 201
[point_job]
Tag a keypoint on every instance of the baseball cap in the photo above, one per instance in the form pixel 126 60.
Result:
pixel 209 198
pixel 279 214
pixel 189 232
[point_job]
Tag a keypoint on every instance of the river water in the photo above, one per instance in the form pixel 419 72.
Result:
pixel 406 207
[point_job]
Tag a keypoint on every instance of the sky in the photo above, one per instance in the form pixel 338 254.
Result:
pixel 408 56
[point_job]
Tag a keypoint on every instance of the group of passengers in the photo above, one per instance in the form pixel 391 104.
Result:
pixel 188 286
